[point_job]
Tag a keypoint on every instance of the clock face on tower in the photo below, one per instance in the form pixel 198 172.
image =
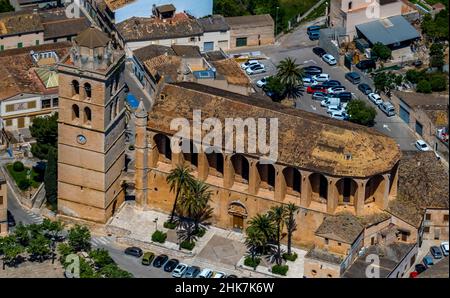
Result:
pixel 81 139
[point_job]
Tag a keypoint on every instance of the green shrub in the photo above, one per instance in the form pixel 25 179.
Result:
pixel 200 232
pixel 18 166
pixel 159 236
pixel 187 245
pixel 424 87
pixel 280 269
pixel 252 262
pixel 438 82
pixel 290 257
pixel 170 225
pixel 24 184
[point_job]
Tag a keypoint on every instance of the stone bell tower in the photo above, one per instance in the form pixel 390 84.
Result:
pixel 91 128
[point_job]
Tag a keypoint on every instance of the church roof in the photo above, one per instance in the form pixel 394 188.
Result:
pixel 92 38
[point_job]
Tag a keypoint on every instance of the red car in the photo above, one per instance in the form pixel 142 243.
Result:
pixel 413 274
pixel 316 88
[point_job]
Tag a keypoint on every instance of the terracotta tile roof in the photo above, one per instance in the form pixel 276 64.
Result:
pixel 164 65
pixel 414 99
pixel 57 24
pixel 12 23
pixel 306 140
pixel 214 23
pixel 92 38
pixel 138 29
pixel 250 21
pixel 165 8
pixel 423 183
pixel 341 227
pixel 116 4
pixel 325 256
pixel 232 72
pixel 152 51
pixel 186 51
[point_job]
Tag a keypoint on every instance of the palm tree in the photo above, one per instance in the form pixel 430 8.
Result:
pixel 290 75
pixel 195 204
pixel 255 242
pixel 291 224
pixel 186 232
pixel 264 225
pixel 181 180
pixel 277 215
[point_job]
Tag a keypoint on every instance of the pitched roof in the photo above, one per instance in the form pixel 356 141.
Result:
pixel 116 4
pixel 186 51
pixel 388 31
pixel 165 8
pixel 305 140
pixel 138 29
pixel 414 99
pixel 324 256
pixel 341 227
pixel 232 72
pixel 250 21
pixel 57 24
pixel 152 51
pixel 12 23
pixel 92 38
pixel 214 23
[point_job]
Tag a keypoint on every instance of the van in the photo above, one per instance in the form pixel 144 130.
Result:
pixel 387 108
pixel 332 101
pixel 366 64
pixel 312 29
pixel 345 96
pixel 315 35
pixel 353 77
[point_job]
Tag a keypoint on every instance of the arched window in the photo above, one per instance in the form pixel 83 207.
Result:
pixel 87 115
pixel 75 87
pixel 75 112
pixel 117 107
pixel 87 90
pixel 116 81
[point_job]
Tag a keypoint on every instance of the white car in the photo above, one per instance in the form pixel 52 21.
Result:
pixel 329 59
pixel 261 83
pixel 206 273
pixel 332 109
pixel 422 146
pixel 309 82
pixel 338 115
pixel 336 89
pixel 375 98
pixel 249 63
pixel 217 274
pixel 323 77
pixel 180 270
pixel 444 248
pixel 254 69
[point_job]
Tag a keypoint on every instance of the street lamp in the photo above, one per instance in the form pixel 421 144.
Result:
pixel 156 224
pixel 276 22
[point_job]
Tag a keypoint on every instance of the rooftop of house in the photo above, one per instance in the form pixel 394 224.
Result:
pixel 341 227
pixel 438 115
pixel 438 270
pixel 214 23
pixel 186 51
pixel 418 100
pixel 152 51
pixel 116 4
pixel 164 65
pixel 389 255
pixel 57 24
pixel 19 70
pixel 165 8
pixel 12 23
pixel 324 256
pixel 232 72
pixel 250 21
pixel 423 183
pixel 137 28
pixel 326 144
pixel 214 56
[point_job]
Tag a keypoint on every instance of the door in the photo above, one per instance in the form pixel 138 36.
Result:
pixel 21 122
pixel 238 222
pixel 419 128
pixel 208 46
pixel 404 114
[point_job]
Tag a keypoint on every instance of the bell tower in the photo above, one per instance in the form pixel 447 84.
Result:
pixel 91 128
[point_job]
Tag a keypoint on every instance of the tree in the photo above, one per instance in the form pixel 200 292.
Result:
pixel 194 204
pixel 387 81
pixel 53 228
pixel 263 224
pixel 186 232
pixel 290 222
pixel 437 55
pixel 51 178
pixel 360 113
pixel 274 88
pixel 39 247
pixel 11 250
pixel 22 234
pixel 45 131
pixel 86 271
pixel 277 216
pixel 413 76
pixel 101 257
pixel 290 75
pixel 5 6
pixel 255 242
pixel 381 51
pixel 113 271
pixel 181 180
pixel 80 238
pixel 438 82
pixel 424 86
pixel 437 28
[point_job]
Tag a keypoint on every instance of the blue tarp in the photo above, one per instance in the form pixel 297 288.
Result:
pixel 132 101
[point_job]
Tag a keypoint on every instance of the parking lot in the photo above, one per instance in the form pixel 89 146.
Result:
pixel 424 250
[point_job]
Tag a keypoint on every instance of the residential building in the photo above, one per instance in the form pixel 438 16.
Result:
pixel 91 128
pixel 29 87
pixel 20 29
pixel 252 30
pixel 3 206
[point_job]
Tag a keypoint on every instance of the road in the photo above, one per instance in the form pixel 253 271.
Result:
pixel 20 213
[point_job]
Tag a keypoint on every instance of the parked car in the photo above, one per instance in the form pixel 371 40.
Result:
pixel 339 115
pixel 428 261
pixel 336 89
pixel 313 28
pixel 436 252
pixel 261 83
pixel 309 82
pixel 331 83
pixel 321 77
pixel 249 63
pixel 344 96
pixel 315 35
pixel 364 88
pixel 319 51
pixel 387 108
pixel 179 270
pixel 206 273
pixel 319 95
pixel 232 276
pixel 330 101
pixel 375 98
pixel 254 69
pixel 328 58
pixel 11 220
pixel 134 251
pixel 366 64
pixel 192 272
pixel 171 265
pixel 147 258
pixel 418 63
pixel 353 77
pixel 413 274
pixel 333 108
pixel 160 261
pixel 420 268
pixel 315 88
pixel 422 146
pixel 444 247
pixel 312 70
pixel 217 274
